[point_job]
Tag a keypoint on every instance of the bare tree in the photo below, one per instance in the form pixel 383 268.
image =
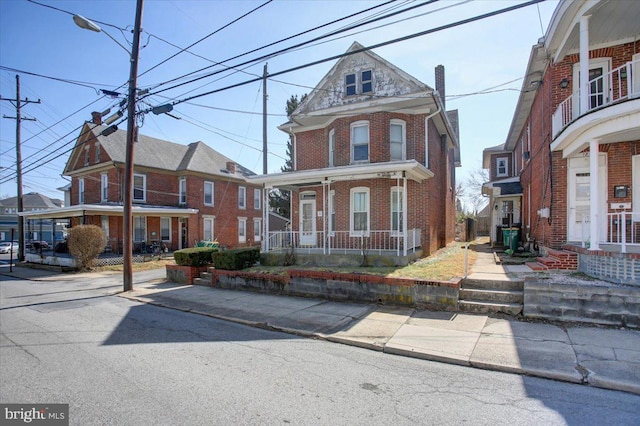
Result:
pixel 470 189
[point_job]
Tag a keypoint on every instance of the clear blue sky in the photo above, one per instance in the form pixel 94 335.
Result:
pixel 41 40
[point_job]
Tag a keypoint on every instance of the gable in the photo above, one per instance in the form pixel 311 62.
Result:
pixel 386 81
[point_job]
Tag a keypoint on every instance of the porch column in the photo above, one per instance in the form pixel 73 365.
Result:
pixel 404 211
pixel 398 222
pixel 324 216
pixel 329 218
pixel 595 194
pixel 584 64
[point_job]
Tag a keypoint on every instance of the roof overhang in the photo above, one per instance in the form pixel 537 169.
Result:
pixel 416 103
pixel 610 22
pixel 410 169
pixel 106 210
pixel 530 84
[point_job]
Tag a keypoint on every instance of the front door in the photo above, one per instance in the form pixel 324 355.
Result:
pixel 579 197
pixel 307 222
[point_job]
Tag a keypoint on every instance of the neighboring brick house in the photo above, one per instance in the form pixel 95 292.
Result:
pixel 182 194
pixel 580 96
pixel 504 192
pixel 368 134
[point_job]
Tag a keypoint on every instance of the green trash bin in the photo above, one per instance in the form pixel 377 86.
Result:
pixel 510 237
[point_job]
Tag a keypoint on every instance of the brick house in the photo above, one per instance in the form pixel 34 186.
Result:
pixel 182 193
pixel 374 157
pixel 574 141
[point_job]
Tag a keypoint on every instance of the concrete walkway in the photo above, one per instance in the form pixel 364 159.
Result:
pixel 602 357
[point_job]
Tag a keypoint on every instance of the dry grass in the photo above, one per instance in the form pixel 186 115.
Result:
pixel 444 265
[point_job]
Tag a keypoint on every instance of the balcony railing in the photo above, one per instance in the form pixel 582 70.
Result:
pixel 615 86
pixel 623 229
pixel 345 242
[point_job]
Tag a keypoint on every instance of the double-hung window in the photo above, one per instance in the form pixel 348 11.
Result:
pixel 139 229
pixel 207 233
pixel 104 187
pixel 366 81
pixel 350 84
pixel 242 229
pixel 139 188
pixel 242 197
pixel 257 196
pixel 396 210
pixel 360 141
pixel 257 229
pixel 81 191
pixel 359 211
pixel 183 191
pixel 502 167
pixel 332 147
pixel 165 229
pixel 397 137
pixel 208 193
pixel 332 211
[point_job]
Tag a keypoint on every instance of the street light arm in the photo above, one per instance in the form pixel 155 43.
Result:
pixel 87 24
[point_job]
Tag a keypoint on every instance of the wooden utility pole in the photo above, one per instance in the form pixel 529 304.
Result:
pixel 17 102
pixel 264 119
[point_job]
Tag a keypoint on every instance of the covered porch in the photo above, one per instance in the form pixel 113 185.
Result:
pixel 315 229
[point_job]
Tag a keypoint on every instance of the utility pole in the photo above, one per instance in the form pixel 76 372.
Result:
pixel 132 135
pixel 17 102
pixel 264 119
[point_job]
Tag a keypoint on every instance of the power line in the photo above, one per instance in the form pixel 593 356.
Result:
pixel 375 46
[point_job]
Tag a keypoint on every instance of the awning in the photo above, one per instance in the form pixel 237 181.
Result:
pixel 107 210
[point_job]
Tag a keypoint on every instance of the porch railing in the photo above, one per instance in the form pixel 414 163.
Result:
pixel 623 229
pixel 617 85
pixel 375 242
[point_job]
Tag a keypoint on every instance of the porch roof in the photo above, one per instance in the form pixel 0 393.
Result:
pixel 107 210
pixel 393 169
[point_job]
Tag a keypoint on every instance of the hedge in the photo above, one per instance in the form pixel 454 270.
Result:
pixel 194 256
pixel 235 259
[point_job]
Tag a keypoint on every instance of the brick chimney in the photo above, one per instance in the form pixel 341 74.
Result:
pixel 231 167
pixel 440 84
pixel 96 117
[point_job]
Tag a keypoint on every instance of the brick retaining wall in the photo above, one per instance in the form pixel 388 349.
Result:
pixel 345 287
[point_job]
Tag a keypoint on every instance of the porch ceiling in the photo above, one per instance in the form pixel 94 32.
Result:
pixel 610 21
pixel 390 170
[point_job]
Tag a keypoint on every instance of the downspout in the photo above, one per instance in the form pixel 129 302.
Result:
pixel 294 142
pixel 426 128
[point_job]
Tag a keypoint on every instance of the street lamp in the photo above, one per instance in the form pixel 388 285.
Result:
pixel 127 218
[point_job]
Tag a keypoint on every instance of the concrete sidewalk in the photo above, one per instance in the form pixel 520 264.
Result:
pixel 597 356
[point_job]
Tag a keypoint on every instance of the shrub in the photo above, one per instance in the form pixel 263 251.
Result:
pixel 236 259
pixel 194 256
pixel 85 243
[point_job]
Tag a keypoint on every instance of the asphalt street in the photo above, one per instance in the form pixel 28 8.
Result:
pixel 118 361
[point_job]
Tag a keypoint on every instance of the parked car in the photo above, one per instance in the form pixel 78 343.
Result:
pixel 37 245
pixel 8 246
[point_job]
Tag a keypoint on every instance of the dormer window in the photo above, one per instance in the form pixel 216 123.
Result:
pixel 367 81
pixel 502 167
pixel 350 84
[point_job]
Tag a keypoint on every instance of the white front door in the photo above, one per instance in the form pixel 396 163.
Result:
pixel 307 222
pixel 579 198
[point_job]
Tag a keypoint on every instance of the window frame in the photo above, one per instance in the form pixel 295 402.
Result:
pixel 182 191
pixel 144 188
pixel 257 198
pixel 204 194
pixel 137 220
pixel 400 230
pixel 242 197
pixel 352 127
pixel 98 152
pixel 80 190
pixel 332 147
pixel 350 87
pixel 104 187
pixel 242 230
pixel 363 82
pixel 167 219
pixel 359 190
pixel 332 212
pixel 257 236
pixel 403 141
pixel 205 220
pixel 506 166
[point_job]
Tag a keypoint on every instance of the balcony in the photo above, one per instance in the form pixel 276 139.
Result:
pixel 616 86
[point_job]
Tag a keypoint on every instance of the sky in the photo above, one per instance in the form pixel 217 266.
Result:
pixel 67 67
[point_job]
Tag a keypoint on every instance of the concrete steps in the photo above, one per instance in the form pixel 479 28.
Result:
pixel 491 296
